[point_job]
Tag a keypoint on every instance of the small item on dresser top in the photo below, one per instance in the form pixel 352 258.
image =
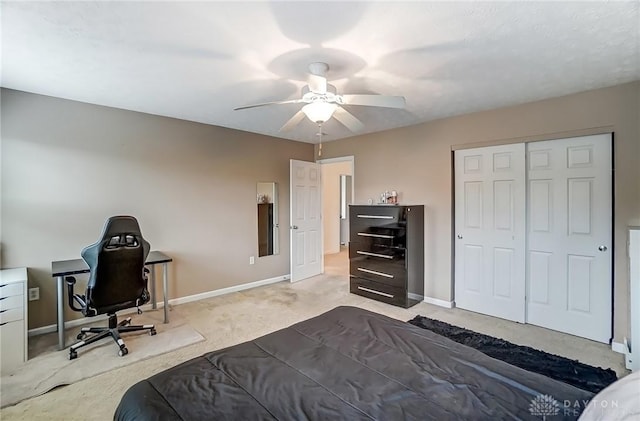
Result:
pixel 388 198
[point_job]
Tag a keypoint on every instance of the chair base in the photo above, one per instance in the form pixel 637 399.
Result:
pixel 114 330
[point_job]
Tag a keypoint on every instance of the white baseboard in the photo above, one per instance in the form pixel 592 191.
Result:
pixel 227 290
pixel 619 348
pixel 438 302
pixel 174 301
pixel 623 348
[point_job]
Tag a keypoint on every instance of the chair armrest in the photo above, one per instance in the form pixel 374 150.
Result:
pixel 71 281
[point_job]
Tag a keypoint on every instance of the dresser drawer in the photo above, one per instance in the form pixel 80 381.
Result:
pixel 8 290
pixel 380 274
pixel 385 254
pixel 394 236
pixel 377 291
pixel 389 270
pixel 359 248
pixel 12 346
pixel 14 301
pixel 11 315
pixel 363 218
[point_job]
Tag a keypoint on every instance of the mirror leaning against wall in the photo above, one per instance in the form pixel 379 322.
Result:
pixel 267 196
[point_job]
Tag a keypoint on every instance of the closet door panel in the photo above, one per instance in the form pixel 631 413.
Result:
pixel 570 224
pixel 490 228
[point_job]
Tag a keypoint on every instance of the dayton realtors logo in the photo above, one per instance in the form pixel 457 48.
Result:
pixel 547 406
pixel 544 406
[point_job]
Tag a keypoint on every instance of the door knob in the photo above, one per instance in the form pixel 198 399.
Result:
pixel 294 227
pixel 459 237
pixel 602 248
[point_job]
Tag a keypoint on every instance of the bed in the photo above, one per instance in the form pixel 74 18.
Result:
pixel 349 363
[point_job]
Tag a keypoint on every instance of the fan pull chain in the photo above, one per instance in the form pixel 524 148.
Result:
pixel 320 135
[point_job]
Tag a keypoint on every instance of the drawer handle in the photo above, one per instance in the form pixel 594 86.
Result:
pixel 386 275
pixel 373 291
pixel 366 234
pixel 375 216
pixel 366 253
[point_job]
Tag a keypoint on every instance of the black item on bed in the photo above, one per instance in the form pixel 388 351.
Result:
pixel 573 372
pixel 349 364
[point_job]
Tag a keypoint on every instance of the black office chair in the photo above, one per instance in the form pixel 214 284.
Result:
pixel 117 281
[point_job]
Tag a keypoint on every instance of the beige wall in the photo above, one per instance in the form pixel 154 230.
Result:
pixel 417 162
pixel 67 166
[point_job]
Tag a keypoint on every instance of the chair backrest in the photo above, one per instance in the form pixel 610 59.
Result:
pixel 116 262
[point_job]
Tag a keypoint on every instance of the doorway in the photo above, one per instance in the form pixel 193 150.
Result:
pixel 337 194
pixel 315 215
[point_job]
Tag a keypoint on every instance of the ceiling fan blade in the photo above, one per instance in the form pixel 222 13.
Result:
pixel 317 84
pixel 349 121
pixel 293 121
pixel 375 100
pixel 290 101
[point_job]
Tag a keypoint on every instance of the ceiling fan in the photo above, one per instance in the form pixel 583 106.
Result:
pixel 322 102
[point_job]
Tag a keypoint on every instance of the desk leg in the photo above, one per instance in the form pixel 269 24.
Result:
pixel 60 290
pixel 165 287
pixel 153 287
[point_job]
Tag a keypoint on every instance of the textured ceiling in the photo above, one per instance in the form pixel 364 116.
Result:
pixel 198 61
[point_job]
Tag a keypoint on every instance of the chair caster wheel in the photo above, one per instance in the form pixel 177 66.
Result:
pixel 73 355
pixel 81 336
pixel 123 351
pixel 152 332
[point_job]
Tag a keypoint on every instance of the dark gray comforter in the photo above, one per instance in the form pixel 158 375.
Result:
pixel 350 364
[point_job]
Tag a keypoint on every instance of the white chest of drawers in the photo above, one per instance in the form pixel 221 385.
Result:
pixel 13 318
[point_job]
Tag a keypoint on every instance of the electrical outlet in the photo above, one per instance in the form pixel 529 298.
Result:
pixel 252 260
pixel 34 294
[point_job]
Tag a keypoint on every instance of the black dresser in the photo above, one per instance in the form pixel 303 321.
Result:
pixel 386 253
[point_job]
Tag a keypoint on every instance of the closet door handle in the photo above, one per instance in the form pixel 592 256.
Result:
pixel 602 248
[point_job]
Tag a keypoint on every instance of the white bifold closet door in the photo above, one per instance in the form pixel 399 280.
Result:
pixel 569 235
pixel 490 231
pixel 533 236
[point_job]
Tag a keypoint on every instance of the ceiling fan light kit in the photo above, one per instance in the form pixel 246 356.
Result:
pixel 319 112
pixel 322 102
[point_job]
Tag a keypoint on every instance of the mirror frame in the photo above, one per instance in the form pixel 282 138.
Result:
pixel 267 193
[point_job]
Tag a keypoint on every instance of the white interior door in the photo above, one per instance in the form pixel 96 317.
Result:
pixel 569 235
pixel 490 231
pixel 306 223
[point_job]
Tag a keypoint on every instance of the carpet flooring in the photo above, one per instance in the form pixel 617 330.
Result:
pixel 573 372
pixel 229 319
pixel 46 372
